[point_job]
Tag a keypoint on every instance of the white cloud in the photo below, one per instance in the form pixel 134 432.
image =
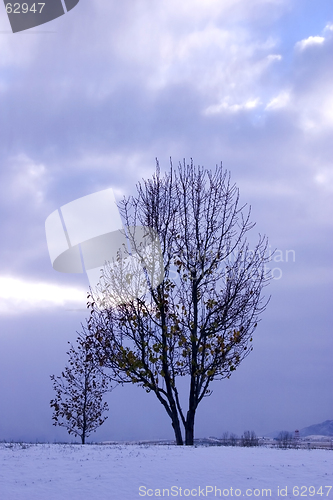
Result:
pixel 327 110
pixel 18 296
pixel 25 179
pixel 307 42
pixel 324 178
pixel 273 57
pixel 316 111
pixel 211 46
pixel 226 106
pixel 279 101
pixel 310 93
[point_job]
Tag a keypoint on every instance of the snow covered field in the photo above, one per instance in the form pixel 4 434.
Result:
pixel 128 472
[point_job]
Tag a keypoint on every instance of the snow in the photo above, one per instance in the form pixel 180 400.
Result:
pixel 107 472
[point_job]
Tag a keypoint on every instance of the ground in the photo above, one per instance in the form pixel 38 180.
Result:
pixel 129 472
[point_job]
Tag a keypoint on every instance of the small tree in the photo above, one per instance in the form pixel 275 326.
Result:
pixel 284 439
pixel 249 438
pixel 233 439
pixel 225 438
pixel 198 321
pixel 78 404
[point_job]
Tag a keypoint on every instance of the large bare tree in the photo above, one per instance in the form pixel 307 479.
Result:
pixel 198 320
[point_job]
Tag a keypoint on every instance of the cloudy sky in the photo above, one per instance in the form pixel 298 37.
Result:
pixel 87 102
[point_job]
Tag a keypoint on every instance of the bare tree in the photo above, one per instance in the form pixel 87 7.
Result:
pixel 249 438
pixel 78 404
pixel 233 439
pixel 198 321
pixel 225 438
pixel 285 439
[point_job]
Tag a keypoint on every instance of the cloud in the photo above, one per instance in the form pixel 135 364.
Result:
pixel 225 106
pixel 310 41
pixel 204 79
pixel 324 178
pixel 280 101
pixel 312 96
pixel 18 296
pixel 24 178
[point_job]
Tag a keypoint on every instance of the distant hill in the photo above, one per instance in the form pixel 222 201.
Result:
pixel 323 429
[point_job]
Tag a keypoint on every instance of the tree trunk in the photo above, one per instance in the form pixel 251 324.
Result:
pixel 176 425
pixel 171 409
pixel 189 428
pixel 178 433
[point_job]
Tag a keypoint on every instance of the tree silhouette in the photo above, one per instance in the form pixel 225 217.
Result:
pixel 199 320
pixel 78 404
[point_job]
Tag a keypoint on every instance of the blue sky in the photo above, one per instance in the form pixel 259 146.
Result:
pixel 89 106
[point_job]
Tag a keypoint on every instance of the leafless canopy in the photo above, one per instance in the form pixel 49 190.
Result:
pixel 199 320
